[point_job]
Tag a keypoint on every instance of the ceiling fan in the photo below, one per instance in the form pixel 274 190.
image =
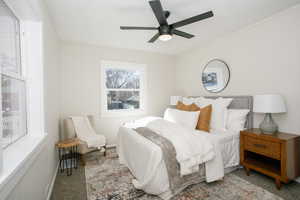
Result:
pixel 165 30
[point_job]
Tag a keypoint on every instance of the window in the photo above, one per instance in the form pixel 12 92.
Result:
pixel 22 132
pixel 123 88
pixel 13 92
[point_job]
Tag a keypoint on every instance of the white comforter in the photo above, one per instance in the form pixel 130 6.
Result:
pixel 145 161
pixel 192 150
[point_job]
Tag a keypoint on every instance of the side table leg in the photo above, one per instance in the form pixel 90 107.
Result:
pixel 76 157
pixel 60 160
pixel 66 165
pixel 63 160
pixel 247 171
pixel 278 184
pixel 105 150
pixel 71 161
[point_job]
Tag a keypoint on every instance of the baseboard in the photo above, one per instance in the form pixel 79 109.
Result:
pixel 52 183
pixel 56 171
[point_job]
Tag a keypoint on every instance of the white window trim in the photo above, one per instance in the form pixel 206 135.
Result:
pixel 143 85
pixel 18 157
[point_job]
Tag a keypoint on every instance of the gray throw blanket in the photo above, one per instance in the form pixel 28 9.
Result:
pixel 176 181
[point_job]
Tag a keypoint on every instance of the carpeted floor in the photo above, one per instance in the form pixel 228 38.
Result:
pixel 74 187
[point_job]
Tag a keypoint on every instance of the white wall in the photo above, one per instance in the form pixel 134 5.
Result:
pixel 80 82
pixel 35 184
pixel 263 58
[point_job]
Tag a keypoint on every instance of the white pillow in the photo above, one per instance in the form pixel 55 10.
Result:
pixel 236 119
pixel 190 100
pixel 219 111
pixel 185 118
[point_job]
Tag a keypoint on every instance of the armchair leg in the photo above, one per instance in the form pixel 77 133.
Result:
pixel 104 151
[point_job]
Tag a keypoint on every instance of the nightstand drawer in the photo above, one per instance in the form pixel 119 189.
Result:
pixel 263 147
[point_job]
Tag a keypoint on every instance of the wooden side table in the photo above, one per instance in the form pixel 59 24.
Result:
pixel 68 155
pixel 276 155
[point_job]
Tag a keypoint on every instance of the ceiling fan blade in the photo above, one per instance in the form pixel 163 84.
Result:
pixel 137 28
pixel 182 34
pixel 154 38
pixel 193 19
pixel 158 11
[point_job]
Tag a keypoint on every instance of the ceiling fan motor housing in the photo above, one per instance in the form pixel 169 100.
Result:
pixel 165 30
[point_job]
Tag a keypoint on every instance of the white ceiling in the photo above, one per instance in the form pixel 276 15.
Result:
pixel 97 21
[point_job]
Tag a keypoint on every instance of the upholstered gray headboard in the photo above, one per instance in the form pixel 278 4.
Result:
pixel 240 102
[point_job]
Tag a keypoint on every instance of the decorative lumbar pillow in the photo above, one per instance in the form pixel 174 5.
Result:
pixel 204 117
pixel 219 111
pixel 236 119
pixel 187 119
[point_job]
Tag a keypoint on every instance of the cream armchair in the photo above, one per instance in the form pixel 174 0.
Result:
pixel 69 133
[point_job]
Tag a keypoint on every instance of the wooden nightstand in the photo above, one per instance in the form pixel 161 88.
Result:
pixel 277 155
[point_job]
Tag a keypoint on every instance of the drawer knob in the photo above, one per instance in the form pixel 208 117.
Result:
pixel 260 145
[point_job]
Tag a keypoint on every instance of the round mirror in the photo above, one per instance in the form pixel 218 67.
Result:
pixel 215 76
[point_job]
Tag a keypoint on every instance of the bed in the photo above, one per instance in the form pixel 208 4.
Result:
pixel 134 151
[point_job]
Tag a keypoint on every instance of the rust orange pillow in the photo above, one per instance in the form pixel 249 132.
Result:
pixel 204 117
pixel 184 107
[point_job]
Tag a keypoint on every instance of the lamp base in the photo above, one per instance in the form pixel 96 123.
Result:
pixel 268 126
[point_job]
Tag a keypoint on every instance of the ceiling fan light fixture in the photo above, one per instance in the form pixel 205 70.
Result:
pixel 166 30
pixel 165 37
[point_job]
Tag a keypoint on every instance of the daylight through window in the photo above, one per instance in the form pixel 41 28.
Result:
pixel 123 87
pixel 13 90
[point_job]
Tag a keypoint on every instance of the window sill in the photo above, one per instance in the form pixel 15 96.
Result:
pixel 17 159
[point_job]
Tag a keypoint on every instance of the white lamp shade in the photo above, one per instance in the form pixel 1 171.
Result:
pixel 269 103
pixel 174 100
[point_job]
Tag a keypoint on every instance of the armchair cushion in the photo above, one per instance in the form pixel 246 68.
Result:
pixel 70 132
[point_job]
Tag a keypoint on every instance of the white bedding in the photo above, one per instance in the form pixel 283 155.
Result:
pixel 134 151
pixel 229 142
pixel 191 149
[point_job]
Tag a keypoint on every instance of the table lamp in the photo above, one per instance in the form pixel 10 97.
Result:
pixel 268 104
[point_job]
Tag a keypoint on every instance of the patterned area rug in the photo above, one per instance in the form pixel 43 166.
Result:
pixel 106 179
